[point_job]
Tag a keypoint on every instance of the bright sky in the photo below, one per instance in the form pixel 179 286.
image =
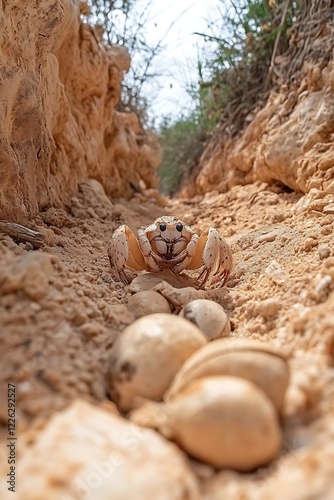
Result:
pixel 179 61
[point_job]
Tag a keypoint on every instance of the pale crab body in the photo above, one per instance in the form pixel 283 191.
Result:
pixel 168 243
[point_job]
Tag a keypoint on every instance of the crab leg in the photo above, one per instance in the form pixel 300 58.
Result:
pixel 124 251
pixel 213 253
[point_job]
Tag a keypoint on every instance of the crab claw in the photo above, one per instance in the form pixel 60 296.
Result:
pixel 124 252
pixel 211 253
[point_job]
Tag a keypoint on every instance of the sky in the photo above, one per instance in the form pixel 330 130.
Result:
pixel 179 61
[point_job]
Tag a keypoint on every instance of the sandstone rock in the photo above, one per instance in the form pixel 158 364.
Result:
pixel 179 297
pixel 289 140
pixel 269 308
pixel 25 136
pixel 165 279
pixel 58 124
pixel 323 251
pixel 276 272
pixel 30 273
pixel 88 452
pixel 54 217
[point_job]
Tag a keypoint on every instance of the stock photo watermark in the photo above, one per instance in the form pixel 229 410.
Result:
pixel 101 471
pixel 11 437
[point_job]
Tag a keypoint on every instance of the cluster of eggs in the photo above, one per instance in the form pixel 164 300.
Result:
pixel 218 397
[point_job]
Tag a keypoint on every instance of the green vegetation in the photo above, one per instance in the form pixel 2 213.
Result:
pixel 182 144
pixel 236 69
pixel 237 66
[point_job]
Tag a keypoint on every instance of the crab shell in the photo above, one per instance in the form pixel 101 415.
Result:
pixel 168 243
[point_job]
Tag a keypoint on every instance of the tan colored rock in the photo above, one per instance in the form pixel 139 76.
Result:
pixel 292 141
pixel 59 125
pixel 323 252
pixel 179 297
pixel 269 308
pixel 152 415
pixel 49 235
pixel 209 316
pixel 329 209
pixel 147 355
pixel 30 274
pixel 288 140
pixel 161 282
pixel 119 314
pixel 276 273
pixel 147 302
pixel 226 422
pixel 26 140
pixel 54 217
pixel 258 362
pixel 88 452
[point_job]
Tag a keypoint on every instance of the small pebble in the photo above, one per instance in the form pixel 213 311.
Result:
pixel 269 308
pixel 329 209
pixel 329 262
pixel 276 272
pixel 310 243
pixel 91 329
pixel 323 252
pixel 30 273
pixel 147 302
pixel 322 288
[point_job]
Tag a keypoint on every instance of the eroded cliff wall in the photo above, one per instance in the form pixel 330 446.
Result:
pixel 59 88
pixel 291 139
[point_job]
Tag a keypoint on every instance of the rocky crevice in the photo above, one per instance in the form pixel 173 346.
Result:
pixel 60 87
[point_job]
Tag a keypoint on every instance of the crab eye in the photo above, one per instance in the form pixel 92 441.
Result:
pixel 179 227
pixel 162 227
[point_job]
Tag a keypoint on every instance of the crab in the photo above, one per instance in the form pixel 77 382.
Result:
pixel 168 243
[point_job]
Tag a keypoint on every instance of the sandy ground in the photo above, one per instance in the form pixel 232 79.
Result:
pixel 61 309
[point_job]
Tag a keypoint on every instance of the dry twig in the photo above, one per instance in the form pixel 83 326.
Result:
pixel 22 233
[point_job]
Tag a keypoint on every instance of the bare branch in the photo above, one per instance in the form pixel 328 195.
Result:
pixel 22 233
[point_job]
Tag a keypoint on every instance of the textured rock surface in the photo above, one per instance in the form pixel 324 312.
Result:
pixel 29 274
pixel 58 121
pixel 88 452
pixel 290 140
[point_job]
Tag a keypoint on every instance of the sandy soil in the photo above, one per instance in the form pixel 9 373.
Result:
pixel 61 309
